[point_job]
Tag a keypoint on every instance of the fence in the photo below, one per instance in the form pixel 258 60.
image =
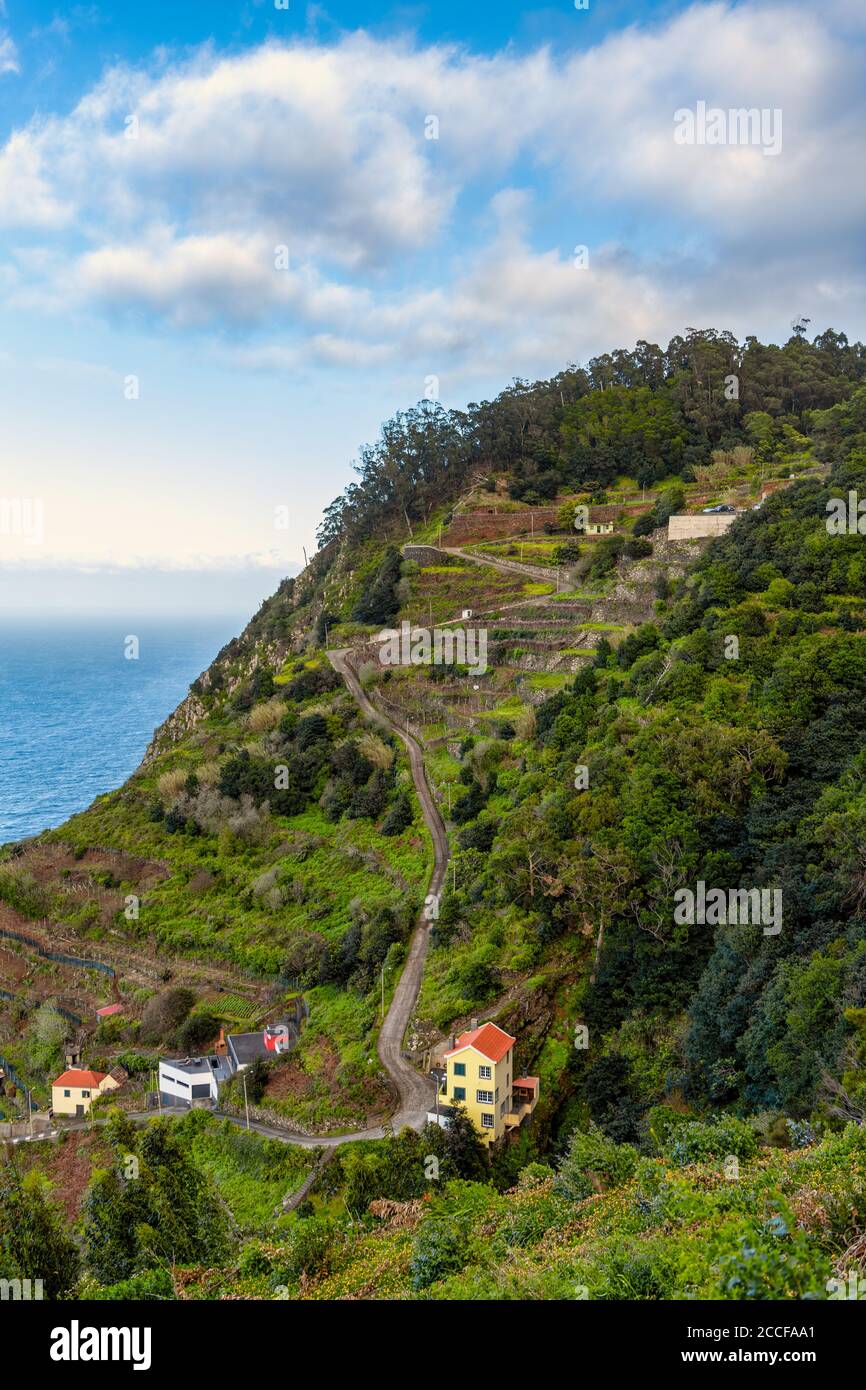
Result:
pixel 13 1076
pixel 82 962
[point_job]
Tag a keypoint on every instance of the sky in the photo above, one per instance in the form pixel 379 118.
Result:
pixel 236 237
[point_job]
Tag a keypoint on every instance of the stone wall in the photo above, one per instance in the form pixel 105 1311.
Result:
pixel 690 528
pixel 490 526
pixel 427 555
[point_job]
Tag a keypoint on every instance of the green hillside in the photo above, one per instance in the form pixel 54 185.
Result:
pixel 655 715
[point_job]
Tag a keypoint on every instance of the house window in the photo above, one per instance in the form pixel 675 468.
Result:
pixel 484 1097
pixel 85 1095
pixel 485 1074
pixel 487 1121
pixel 459 1068
pixel 459 1093
pixel 67 1094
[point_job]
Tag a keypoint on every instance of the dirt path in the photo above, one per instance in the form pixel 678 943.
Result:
pixel 533 572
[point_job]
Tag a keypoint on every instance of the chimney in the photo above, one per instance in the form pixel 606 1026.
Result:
pixel 221 1041
pixel 474 1024
pixel 452 1042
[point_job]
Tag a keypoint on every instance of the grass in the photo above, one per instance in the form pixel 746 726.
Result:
pixel 549 680
pixel 251 1174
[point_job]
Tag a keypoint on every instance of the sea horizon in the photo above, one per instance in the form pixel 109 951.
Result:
pixel 78 708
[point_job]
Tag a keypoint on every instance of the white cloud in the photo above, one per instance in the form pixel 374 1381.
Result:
pixel 393 258
pixel 8 54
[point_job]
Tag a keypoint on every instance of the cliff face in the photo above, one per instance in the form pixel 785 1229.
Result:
pixel 279 628
pixel 179 723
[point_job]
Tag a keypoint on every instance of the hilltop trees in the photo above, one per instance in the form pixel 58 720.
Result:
pixel 649 413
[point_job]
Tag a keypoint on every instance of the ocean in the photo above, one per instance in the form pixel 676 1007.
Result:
pixel 76 715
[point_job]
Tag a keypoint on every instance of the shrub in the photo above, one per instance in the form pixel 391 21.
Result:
pixel 697 1141
pixel 307 1251
pixel 399 817
pixel 172 783
pixel 261 718
pixel 593 1163
pixel 198 1031
pixel 164 1013
pixel 441 1247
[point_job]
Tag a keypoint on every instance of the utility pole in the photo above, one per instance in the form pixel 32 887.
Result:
pixel 246 1102
pixel 30 1112
pixel 383 994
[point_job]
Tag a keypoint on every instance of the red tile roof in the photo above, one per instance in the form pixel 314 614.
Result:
pixel 91 1079
pixel 489 1040
pixel 529 1083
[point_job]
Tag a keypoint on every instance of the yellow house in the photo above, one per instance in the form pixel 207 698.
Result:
pixel 75 1090
pixel 479 1075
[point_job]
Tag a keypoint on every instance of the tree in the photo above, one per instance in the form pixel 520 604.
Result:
pixel 33 1242
pixel 465 1151
pixel 157 1211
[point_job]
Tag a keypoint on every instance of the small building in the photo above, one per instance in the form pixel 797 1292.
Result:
pixel 75 1090
pixel 186 1080
pixel 109 1011
pixel 479 1075
pixel 244 1048
pixel 599 521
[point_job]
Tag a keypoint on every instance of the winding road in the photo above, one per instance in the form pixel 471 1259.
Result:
pixel 415 1091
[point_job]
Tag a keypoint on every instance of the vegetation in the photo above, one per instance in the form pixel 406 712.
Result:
pixel 684 719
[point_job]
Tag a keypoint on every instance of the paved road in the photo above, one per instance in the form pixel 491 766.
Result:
pixel 416 1091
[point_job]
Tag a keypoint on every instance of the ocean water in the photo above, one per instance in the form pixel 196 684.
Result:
pixel 76 715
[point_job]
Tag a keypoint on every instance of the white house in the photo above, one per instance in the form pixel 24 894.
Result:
pixel 183 1080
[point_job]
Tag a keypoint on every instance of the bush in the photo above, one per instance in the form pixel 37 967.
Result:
pixel 198 1031
pixel 307 1251
pixel 697 1141
pixel 593 1163
pixel 441 1247
pixel 773 1261
pixel 164 1013
pixel 261 718
pixel 399 817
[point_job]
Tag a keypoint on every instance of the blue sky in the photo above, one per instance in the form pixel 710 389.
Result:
pixel 229 247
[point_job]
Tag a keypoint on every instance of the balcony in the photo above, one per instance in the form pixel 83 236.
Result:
pixel 524 1098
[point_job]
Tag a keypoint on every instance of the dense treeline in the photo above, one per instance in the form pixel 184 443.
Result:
pixel 725 742
pixel 649 413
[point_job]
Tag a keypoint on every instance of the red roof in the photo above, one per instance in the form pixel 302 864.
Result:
pixel 91 1079
pixel 493 1042
pixel 108 1010
pixel 529 1083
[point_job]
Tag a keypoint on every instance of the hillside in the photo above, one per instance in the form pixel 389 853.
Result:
pixel 652 714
